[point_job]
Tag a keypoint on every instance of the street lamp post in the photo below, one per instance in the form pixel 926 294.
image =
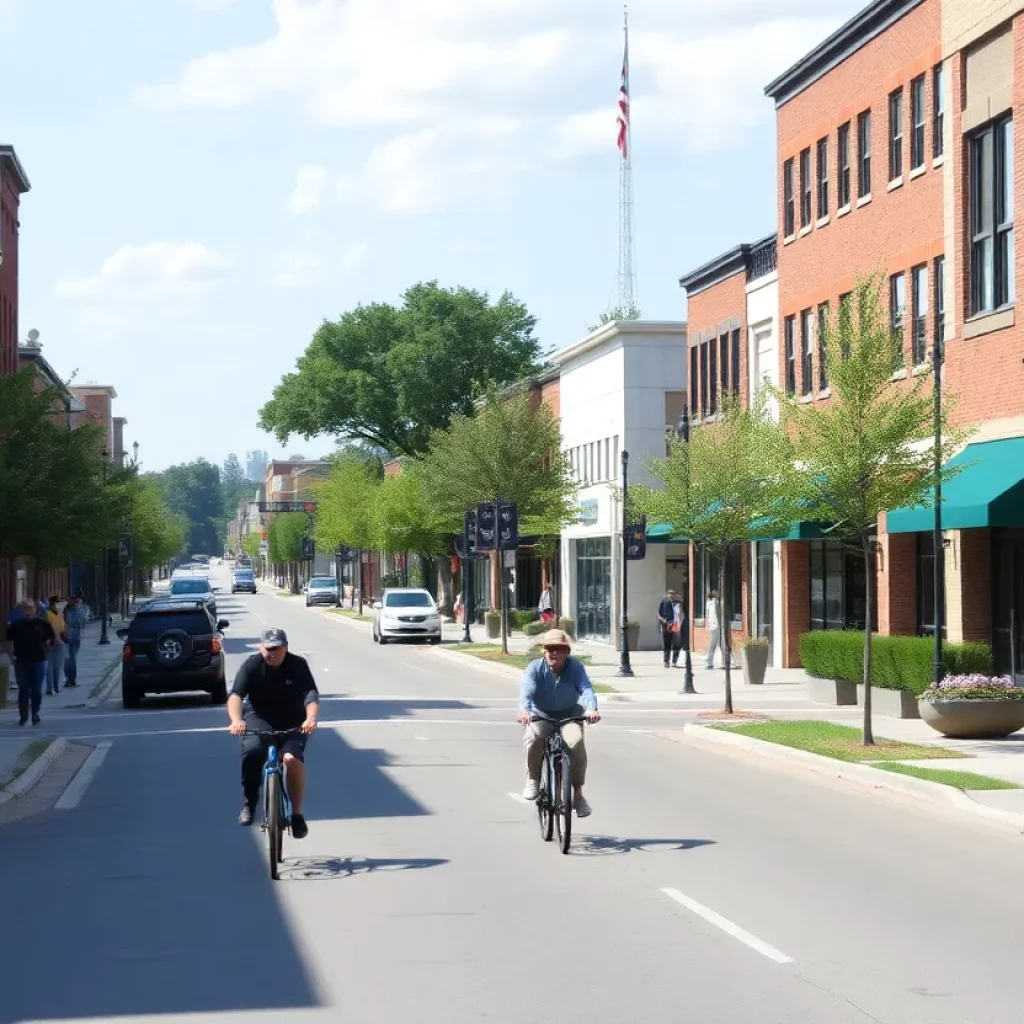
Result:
pixel 683 433
pixel 939 669
pixel 624 667
pixel 468 598
pixel 104 639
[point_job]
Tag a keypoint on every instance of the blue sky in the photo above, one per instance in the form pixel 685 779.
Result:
pixel 212 178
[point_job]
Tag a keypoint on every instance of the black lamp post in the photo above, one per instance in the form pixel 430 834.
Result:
pixel 624 667
pixel 939 669
pixel 468 598
pixel 683 433
pixel 104 639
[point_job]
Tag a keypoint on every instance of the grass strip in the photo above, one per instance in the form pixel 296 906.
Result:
pixel 837 741
pixel 35 749
pixel 351 613
pixel 959 780
pixel 492 652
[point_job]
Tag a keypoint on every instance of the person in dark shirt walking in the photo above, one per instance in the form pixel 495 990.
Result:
pixel 672 621
pixel 29 640
pixel 274 690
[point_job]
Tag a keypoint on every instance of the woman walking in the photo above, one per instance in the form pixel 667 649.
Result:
pixel 57 653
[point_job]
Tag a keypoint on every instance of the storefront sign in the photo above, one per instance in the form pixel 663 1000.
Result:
pixel 586 513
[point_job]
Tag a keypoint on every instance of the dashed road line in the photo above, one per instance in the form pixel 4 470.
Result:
pixel 72 796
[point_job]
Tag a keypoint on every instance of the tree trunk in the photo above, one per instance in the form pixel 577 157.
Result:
pixel 723 619
pixel 868 737
pixel 445 587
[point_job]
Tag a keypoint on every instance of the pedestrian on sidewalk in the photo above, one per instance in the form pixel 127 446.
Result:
pixel 76 615
pixel 672 620
pixel 546 604
pixel 58 652
pixel 713 618
pixel 28 642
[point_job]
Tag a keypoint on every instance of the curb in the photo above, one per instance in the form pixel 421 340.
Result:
pixel 469 661
pixel 31 775
pixel 108 681
pixel 930 792
pixel 348 620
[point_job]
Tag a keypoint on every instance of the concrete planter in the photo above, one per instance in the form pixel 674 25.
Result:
pixel 633 636
pixel 755 664
pixel 891 703
pixel 974 719
pixel 493 626
pixel 836 692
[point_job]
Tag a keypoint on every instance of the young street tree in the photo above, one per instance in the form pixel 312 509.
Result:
pixel 284 542
pixel 731 484
pixel 865 451
pixel 404 520
pixel 389 376
pixel 507 450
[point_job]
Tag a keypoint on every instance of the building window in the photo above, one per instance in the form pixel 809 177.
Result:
pixel 919 326
pixel 712 378
pixel 938 110
pixel 822 178
pixel 845 323
pixel 864 154
pixel 706 577
pixel 926 585
pixel 992 270
pixel 790 356
pixel 940 299
pixel 895 134
pixel 736 361
pixel 703 380
pixel 694 382
pixel 822 344
pixel 843 170
pixel 806 345
pixel 897 315
pixel 723 358
pixel 805 188
pixel 789 213
pixel 917 121
pixel 839 585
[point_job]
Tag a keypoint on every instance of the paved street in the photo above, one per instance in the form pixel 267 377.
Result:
pixel 706 887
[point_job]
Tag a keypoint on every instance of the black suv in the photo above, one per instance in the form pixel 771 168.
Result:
pixel 172 646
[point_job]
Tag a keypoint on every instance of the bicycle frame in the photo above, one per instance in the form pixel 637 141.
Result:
pixel 275 766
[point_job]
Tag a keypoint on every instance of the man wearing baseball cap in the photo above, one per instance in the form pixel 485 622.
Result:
pixel 274 691
pixel 556 686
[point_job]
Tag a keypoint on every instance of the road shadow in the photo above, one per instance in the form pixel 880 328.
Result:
pixel 334 708
pixel 604 846
pixel 240 644
pixel 319 868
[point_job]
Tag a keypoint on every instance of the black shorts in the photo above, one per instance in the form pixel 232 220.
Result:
pixel 294 744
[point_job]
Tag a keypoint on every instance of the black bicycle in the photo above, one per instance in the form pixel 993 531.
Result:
pixel 277 806
pixel 554 798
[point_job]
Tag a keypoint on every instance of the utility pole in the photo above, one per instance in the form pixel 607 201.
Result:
pixel 625 669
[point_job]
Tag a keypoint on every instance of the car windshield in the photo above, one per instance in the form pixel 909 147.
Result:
pixel 243 574
pixel 195 623
pixel 189 587
pixel 320 584
pixel 407 601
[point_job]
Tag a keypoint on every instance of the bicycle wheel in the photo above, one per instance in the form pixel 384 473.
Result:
pixel 544 811
pixel 564 804
pixel 556 797
pixel 274 841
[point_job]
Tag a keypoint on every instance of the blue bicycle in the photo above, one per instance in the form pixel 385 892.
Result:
pixel 277 806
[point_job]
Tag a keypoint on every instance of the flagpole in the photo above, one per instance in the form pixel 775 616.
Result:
pixel 627 273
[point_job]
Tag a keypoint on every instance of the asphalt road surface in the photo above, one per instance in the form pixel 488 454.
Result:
pixel 706 887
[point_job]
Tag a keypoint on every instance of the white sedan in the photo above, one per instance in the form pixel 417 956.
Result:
pixel 406 612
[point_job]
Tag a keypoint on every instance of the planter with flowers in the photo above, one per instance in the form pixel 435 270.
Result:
pixel 974 707
pixel 755 659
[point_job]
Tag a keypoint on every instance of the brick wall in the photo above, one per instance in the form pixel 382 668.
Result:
pixel 708 312
pixel 9 203
pixel 896 573
pixel 975 559
pixel 796 597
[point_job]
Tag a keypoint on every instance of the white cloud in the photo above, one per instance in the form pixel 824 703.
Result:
pixel 355 257
pixel 311 182
pixel 211 5
pixel 300 271
pixel 140 281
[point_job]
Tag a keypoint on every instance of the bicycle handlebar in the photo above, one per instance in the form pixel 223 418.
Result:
pixel 272 732
pixel 536 717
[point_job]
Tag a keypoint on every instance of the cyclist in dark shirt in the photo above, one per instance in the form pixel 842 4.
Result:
pixel 29 640
pixel 274 690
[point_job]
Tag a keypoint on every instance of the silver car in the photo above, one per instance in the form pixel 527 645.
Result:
pixel 197 587
pixel 404 613
pixel 321 590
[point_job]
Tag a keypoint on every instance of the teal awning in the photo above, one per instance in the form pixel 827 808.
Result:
pixel 798 531
pixel 988 492
pixel 662 533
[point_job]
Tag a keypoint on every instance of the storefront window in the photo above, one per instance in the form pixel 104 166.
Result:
pixel 926 585
pixel 706 578
pixel 839 585
pixel 594 588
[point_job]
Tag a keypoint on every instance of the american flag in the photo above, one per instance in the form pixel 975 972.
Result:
pixel 623 115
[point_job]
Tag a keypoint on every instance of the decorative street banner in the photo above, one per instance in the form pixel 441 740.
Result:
pixel 308 549
pixel 469 534
pixel 287 506
pixel 635 538
pixel 508 527
pixel 486 528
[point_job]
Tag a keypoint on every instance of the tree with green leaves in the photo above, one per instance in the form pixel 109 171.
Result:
pixel 614 315
pixel 390 375
pixel 734 482
pixel 193 490
pixel 284 542
pixel 251 545
pixel 509 450
pixel 403 518
pixel 864 451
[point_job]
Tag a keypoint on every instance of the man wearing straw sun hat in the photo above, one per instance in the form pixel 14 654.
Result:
pixel 557 686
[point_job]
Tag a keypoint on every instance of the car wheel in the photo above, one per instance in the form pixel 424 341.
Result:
pixel 383 640
pixel 219 693
pixel 434 641
pixel 130 697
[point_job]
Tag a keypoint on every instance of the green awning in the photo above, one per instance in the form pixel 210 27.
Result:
pixel 662 533
pixel 799 531
pixel 988 492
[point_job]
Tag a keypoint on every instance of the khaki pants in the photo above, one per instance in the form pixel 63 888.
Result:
pixel 572 732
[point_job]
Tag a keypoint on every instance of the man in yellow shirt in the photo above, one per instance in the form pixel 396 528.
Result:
pixel 57 653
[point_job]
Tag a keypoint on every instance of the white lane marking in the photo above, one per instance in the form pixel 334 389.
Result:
pixel 520 799
pixel 72 796
pixel 728 927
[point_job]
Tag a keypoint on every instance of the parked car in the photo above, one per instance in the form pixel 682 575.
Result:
pixel 321 590
pixel 196 587
pixel 243 580
pixel 404 612
pixel 173 645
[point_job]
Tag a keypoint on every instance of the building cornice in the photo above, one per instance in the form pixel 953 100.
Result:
pixel 864 26
pixel 721 268
pixel 618 329
pixel 10 163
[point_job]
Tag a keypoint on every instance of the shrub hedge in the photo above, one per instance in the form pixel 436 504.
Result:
pixel 897 662
pixel 522 618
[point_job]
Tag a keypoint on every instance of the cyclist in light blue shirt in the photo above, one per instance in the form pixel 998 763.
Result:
pixel 557 686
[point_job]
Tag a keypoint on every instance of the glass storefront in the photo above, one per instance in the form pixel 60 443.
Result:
pixel 1008 602
pixel 594 588
pixel 839 585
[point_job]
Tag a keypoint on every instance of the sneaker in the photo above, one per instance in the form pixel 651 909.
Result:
pixel 583 809
pixel 299 827
pixel 531 790
pixel 245 816
pixel 35 719
pixel 23 721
